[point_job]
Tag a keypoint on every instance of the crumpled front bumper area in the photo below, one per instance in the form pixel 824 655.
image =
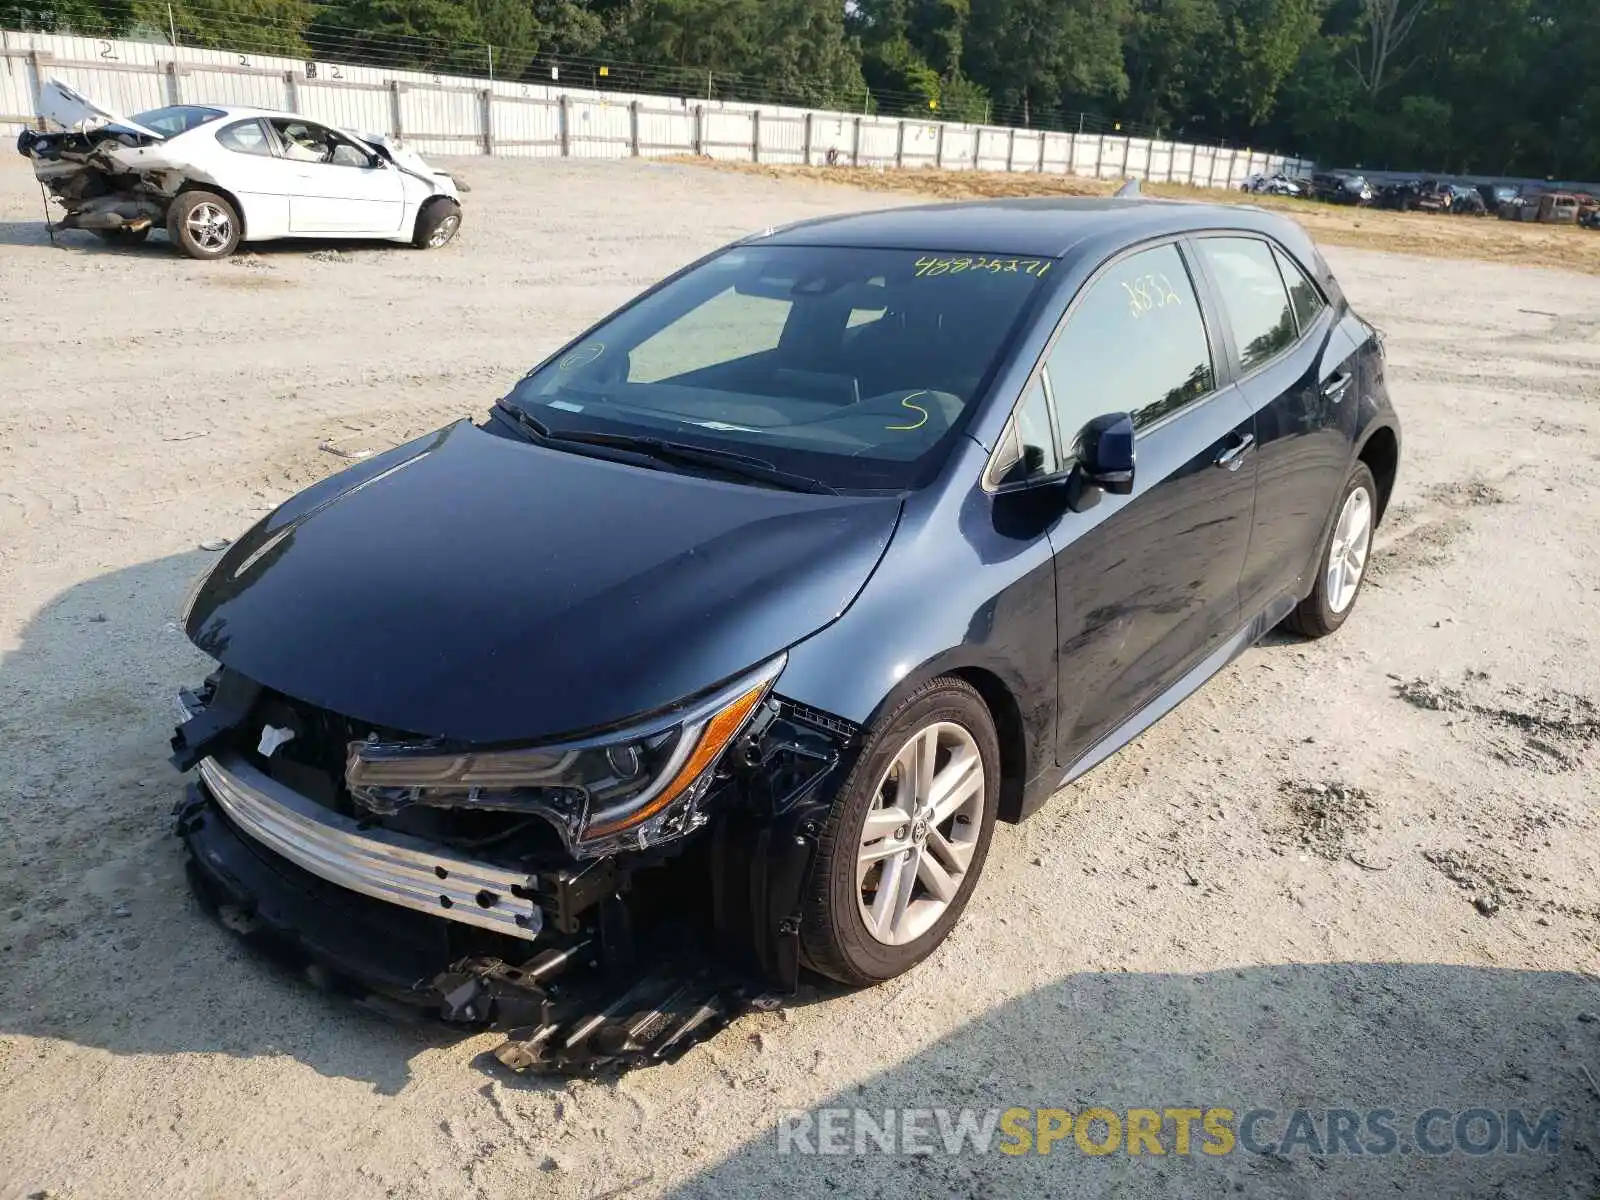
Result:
pixel 613 962
pixel 375 862
pixel 562 1011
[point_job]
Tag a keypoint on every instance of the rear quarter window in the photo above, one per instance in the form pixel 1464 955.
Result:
pixel 1303 294
pixel 246 137
pixel 177 118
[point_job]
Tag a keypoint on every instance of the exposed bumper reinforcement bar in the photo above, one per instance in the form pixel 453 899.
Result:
pixel 375 862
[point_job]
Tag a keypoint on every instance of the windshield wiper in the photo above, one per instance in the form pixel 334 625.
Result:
pixel 730 462
pixel 745 466
pixel 524 421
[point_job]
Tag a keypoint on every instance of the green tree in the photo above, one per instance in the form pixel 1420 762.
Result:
pixel 1164 51
pixel 436 35
pixel 1254 49
pixel 248 26
pixel 1033 55
pixel 568 26
pixel 804 56
pixel 76 16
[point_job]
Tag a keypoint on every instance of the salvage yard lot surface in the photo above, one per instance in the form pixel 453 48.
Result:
pixel 1361 873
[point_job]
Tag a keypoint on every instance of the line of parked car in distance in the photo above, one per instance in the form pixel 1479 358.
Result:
pixel 1434 195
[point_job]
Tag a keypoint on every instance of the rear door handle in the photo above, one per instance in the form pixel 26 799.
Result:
pixel 1233 457
pixel 1336 387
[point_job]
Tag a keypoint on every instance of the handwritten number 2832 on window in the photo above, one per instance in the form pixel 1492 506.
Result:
pixel 1149 292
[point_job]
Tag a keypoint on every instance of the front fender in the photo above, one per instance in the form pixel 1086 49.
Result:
pixel 952 595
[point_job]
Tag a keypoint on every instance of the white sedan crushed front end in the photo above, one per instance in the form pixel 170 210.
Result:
pixel 215 176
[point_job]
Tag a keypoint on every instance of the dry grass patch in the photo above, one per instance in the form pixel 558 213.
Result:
pixel 1429 234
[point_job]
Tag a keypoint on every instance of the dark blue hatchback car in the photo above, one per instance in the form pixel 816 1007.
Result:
pixel 716 650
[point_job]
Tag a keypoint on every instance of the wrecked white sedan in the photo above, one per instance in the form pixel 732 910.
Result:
pixel 214 176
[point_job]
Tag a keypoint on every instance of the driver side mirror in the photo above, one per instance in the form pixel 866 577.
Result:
pixel 1105 461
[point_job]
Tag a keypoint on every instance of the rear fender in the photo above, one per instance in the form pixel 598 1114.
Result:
pixel 202 184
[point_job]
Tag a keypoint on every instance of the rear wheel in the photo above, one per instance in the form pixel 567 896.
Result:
pixel 204 225
pixel 907 837
pixel 437 223
pixel 1343 565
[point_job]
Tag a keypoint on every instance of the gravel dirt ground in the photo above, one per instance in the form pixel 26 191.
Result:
pixel 1359 873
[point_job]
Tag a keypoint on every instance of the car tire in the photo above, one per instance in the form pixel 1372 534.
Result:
pixel 944 718
pixel 1349 543
pixel 122 237
pixel 438 222
pixel 204 225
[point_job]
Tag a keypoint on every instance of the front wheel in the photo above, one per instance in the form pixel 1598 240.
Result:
pixel 204 225
pixel 437 223
pixel 1343 565
pixel 906 839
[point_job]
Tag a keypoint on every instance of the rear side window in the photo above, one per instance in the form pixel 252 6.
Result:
pixel 1135 343
pixel 1252 295
pixel 1303 294
pixel 176 118
pixel 247 137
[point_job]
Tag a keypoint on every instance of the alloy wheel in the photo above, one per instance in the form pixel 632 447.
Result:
pixel 919 836
pixel 1347 555
pixel 446 231
pixel 209 226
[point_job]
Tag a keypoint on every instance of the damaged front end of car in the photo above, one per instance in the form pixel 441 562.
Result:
pixel 607 901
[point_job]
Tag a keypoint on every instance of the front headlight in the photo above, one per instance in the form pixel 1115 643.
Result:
pixel 626 789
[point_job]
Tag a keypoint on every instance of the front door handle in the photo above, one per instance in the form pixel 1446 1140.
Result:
pixel 1336 387
pixel 1233 457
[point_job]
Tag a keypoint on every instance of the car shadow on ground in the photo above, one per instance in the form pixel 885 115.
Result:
pixel 1359 1037
pixel 101 942
pixel 35 233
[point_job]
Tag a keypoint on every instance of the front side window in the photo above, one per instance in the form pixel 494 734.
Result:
pixel 345 153
pixel 246 137
pixel 1135 342
pixel 306 141
pixel 853 367
pixel 303 141
pixel 1252 295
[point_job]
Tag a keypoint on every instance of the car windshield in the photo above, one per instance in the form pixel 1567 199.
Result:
pixel 852 367
pixel 175 118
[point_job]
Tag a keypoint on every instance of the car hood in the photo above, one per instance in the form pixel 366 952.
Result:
pixel 72 110
pixel 408 160
pixel 474 587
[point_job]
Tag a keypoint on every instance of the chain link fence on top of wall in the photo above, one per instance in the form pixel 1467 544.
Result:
pixel 445 114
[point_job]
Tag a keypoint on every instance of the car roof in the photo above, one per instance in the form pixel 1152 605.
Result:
pixel 1048 227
